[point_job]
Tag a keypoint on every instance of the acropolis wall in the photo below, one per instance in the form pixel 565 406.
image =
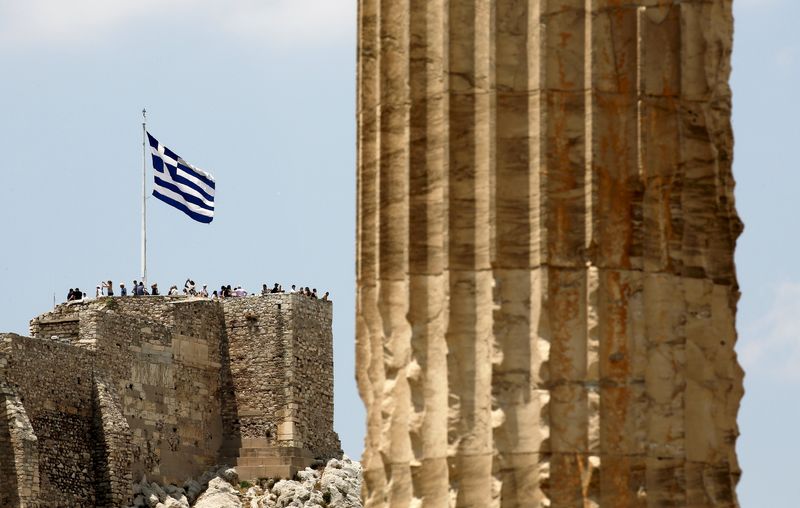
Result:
pixel 111 390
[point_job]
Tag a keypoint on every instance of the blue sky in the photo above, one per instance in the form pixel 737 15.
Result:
pixel 262 95
pixel 766 80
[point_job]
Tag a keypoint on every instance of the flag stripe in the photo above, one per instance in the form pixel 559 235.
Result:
pixel 174 159
pixel 175 177
pixel 181 185
pixel 185 191
pixel 181 206
pixel 198 173
pixel 178 197
pixel 191 176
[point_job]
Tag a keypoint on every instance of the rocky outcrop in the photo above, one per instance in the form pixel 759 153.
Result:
pixel 215 487
pixel 220 494
pixel 546 226
pixel 338 485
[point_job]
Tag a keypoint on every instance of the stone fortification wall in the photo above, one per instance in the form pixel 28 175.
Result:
pixel 62 325
pixel 284 388
pixel 258 333
pixel 128 396
pixel 19 453
pixel 117 388
pixel 167 379
pixel 112 448
pixel 158 309
pixel 312 379
pixel 59 410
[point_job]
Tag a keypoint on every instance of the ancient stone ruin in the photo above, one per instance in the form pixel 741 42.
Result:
pixel 546 227
pixel 107 391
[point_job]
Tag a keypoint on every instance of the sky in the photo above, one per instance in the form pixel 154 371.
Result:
pixel 262 95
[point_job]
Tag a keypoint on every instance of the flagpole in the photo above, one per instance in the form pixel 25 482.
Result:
pixel 144 197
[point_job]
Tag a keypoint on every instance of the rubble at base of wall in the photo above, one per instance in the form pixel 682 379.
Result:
pixel 338 485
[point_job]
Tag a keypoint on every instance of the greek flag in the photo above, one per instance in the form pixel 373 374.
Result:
pixel 179 184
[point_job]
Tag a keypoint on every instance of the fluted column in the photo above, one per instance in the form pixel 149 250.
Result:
pixel 546 289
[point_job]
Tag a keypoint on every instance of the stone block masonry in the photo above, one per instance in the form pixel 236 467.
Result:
pixel 288 335
pixel 546 228
pixel 50 384
pixel 289 411
pixel 109 390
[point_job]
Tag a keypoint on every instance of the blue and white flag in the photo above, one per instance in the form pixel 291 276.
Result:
pixel 179 184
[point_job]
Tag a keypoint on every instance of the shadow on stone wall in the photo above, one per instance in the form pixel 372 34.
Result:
pixel 232 439
pixel 9 490
pixel 111 450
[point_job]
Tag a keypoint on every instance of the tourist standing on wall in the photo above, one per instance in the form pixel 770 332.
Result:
pixel 122 290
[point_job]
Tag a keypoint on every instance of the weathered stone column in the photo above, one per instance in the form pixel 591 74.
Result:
pixel 546 288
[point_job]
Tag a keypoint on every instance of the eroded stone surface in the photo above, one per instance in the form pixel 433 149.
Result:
pixel 546 227
pixel 108 390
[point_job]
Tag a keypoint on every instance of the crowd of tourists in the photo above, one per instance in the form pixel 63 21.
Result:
pixel 311 293
pixel 106 288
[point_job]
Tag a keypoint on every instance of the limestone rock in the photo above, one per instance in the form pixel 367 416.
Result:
pixel 158 492
pixel 193 489
pixel 219 494
pixel 342 479
pixel 172 502
pixel 229 474
pixel 149 496
pixel 337 486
